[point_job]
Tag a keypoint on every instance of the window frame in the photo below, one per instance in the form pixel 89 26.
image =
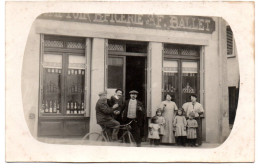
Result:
pixel 233 43
pixel 180 59
pixel 65 52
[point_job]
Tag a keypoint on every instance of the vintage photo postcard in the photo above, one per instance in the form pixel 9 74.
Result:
pixel 106 82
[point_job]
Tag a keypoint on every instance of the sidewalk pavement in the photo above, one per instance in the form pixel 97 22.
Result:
pixel 79 141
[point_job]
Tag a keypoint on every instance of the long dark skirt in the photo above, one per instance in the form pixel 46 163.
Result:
pixel 199 131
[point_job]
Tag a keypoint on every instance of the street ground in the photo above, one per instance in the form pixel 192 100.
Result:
pixel 79 141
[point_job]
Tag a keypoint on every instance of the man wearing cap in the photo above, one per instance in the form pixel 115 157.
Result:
pixel 198 110
pixel 104 114
pixel 134 110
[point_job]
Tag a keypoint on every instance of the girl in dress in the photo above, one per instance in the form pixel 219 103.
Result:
pixel 192 125
pixel 180 124
pixel 154 128
pixel 161 121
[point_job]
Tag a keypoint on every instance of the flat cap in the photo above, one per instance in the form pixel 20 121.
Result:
pixel 102 93
pixel 133 92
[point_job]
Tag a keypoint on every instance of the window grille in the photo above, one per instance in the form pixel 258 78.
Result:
pixel 75 45
pixel 230 41
pixel 53 43
pixel 116 47
pixel 181 50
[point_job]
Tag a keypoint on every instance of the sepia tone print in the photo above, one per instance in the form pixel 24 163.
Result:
pixel 98 89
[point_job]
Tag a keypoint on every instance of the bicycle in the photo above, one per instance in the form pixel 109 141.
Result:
pixel 104 137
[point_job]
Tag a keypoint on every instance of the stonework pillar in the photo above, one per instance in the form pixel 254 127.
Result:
pixel 156 57
pixel 97 78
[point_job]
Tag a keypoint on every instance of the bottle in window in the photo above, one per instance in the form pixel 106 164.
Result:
pixel 83 72
pixel 75 108
pixel 52 70
pixel 71 108
pixel 46 107
pixel 43 108
pixel 54 107
pixel 69 72
pixel 72 72
pixel 68 108
pixel 79 72
pixel 58 107
pixel 76 72
pixel 50 110
pixel 82 108
pixel 78 109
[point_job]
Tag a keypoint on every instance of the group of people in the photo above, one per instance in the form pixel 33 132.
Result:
pixel 114 111
pixel 171 125
pixel 176 125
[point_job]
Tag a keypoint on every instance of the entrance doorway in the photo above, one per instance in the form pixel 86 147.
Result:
pixel 135 77
pixel 126 68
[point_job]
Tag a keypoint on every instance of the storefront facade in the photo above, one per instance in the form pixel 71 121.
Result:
pixel 75 56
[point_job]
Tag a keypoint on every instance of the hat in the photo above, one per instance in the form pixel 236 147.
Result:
pixel 102 93
pixel 133 92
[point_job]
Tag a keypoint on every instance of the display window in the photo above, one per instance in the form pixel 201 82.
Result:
pixel 180 72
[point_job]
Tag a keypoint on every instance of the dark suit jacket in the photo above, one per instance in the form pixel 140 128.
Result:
pixel 140 113
pixel 103 111
pixel 120 103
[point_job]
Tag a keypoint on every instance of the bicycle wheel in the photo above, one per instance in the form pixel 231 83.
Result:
pixel 94 137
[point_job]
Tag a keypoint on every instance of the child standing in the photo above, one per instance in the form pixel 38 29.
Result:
pixel 154 128
pixel 191 132
pixel 180 124
pixel 161 121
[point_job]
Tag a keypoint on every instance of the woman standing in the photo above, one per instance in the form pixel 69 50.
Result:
pixel 168 107
pixel 197 109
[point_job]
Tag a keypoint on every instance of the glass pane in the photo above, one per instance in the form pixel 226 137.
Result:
pixel 51 101
pixel 115 72
pixel 170 83
pixel 189 80
pixel 75 84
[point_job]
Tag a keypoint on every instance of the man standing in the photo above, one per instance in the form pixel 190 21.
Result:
pixel 104 114
pixel 134 110
pixel 117 99
pixel 198 110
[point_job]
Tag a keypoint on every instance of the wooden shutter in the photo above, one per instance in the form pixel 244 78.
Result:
pixel 230 41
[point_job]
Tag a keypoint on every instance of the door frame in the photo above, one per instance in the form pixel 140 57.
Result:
pixel 122 54
pixel 180 60
pixel 124 68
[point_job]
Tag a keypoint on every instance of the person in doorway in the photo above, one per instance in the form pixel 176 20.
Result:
pixel 104 115
pixel 198 110
pixel 168 107
pixel 134 110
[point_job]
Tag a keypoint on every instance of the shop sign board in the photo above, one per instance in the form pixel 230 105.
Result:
pixel 198 24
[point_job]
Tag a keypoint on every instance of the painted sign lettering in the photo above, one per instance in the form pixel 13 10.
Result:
pixel 165 22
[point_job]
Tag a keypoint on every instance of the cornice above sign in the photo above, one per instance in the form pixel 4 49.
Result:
pixel 163 22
